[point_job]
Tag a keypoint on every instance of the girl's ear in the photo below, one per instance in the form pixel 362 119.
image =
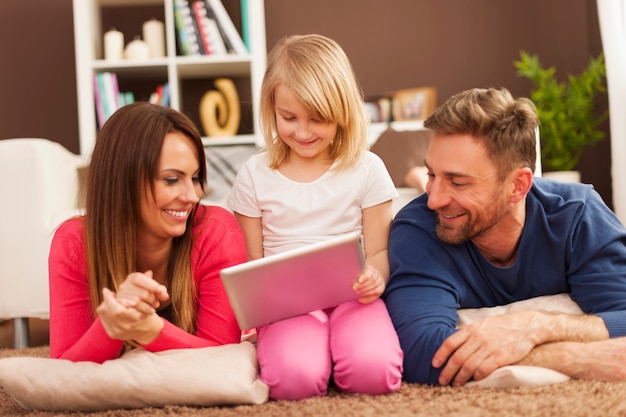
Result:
pixel 522 182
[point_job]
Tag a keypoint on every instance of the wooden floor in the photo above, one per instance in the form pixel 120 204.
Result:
pixel 39 333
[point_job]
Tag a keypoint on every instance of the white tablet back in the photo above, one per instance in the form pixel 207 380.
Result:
pixel 295 282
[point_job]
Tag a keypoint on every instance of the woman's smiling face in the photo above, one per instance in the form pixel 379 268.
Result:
pixel 177 190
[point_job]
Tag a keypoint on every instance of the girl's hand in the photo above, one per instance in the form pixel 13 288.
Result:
pixel 370 285
pixel 142 292
pixel 127 323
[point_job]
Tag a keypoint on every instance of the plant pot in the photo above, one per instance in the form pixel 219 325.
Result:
pixel 564 176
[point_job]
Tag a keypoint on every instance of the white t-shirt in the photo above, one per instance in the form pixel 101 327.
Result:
pixel 294 214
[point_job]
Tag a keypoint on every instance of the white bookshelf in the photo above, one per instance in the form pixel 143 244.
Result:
pixel 173 68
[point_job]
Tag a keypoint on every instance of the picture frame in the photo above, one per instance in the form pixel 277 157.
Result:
pixel 378 109
pixel 373 111
pixel 414 103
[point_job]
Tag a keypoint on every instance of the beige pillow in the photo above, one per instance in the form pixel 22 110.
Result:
pixel 559 303
pixel 516 375
pixel 195 377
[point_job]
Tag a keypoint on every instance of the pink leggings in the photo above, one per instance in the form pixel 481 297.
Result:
pixel 355 342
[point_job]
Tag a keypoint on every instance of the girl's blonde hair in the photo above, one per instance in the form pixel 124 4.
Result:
pixel 318 71
pixel 125 158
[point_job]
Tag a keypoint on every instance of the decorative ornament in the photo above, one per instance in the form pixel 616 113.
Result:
pixel 220 110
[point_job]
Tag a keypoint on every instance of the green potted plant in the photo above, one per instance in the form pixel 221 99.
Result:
pixel 567 115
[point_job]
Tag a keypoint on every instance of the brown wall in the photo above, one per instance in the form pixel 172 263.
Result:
pixel 37 75
pixel 452 45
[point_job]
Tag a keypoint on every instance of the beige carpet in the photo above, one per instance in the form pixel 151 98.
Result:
pixel 572 399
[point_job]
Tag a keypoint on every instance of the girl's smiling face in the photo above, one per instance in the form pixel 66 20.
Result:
pixel 307 135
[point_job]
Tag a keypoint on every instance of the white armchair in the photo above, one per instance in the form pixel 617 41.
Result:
pixel 39 189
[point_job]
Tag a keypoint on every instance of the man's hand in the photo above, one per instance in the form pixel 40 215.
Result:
pixel 476 350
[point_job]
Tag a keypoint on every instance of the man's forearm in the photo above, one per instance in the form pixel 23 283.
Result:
pixel 559 356
pixel 565 342
pixel 556 327
pixel 600 360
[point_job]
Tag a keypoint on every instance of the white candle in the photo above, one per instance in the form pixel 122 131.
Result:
pixel 154 35
pixel 113 44
pixel 137 49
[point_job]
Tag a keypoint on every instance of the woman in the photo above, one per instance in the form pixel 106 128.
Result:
pixel 142 266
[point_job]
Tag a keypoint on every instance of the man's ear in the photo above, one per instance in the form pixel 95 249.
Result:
pixel 522 181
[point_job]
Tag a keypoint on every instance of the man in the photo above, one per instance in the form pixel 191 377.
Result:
pixel 487 233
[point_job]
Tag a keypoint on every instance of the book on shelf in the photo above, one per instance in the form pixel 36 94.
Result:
pixel 102 97
pixel 204 27
pixel 216 37
pixel 245 24
pixel 107 96
pixel 112 91
pixel 210 35
pixel 125 97
pixel 181 37
pixel 165 95
pixel 155 97
pixel 190 27
pixel 161 95
pixel 232 39
pixel 101 118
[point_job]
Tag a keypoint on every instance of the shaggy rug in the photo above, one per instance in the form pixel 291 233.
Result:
pixel 572 399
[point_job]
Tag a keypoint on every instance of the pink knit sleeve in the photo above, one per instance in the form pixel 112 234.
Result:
pixel 76 335
pixel 74 332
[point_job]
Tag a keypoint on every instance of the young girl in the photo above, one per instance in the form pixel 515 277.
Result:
pixel 316 181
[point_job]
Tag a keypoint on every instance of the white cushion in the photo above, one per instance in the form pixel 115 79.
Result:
pixel 194 377
pixel 516 375
pixel 559 303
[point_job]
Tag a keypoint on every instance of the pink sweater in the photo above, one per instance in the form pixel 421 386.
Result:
pixel 77 336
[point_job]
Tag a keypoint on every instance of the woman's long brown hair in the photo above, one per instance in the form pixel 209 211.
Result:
pixel 124 159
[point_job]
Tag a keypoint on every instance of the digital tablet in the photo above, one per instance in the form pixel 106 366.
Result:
pixel 295 282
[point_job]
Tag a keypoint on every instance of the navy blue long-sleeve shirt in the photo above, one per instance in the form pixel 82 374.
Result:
pixel 571 243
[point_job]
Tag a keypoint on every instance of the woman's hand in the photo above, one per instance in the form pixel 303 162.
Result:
pixel 142 292
pixel 127 323
pixel 131 313
pixel 370 285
